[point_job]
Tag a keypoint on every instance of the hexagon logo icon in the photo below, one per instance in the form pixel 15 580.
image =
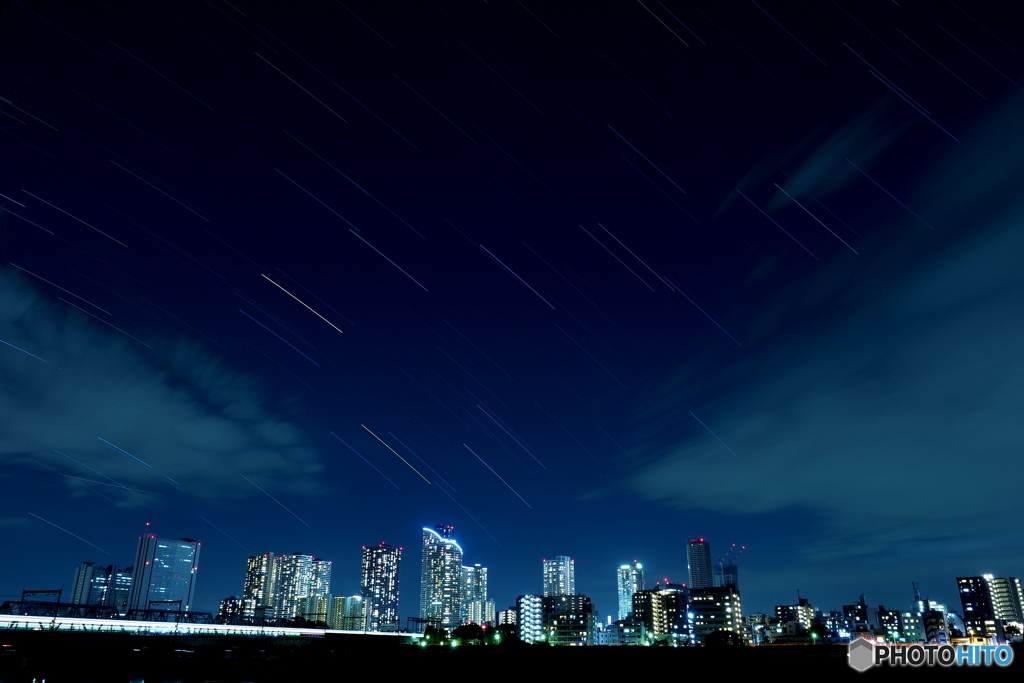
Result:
pixel 861 654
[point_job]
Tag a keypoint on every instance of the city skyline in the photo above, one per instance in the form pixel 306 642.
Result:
pixel 286 587
pixel 586 279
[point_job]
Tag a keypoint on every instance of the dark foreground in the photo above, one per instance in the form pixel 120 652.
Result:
pixel 84 658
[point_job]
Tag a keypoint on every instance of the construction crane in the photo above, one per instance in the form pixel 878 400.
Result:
pixel 729 559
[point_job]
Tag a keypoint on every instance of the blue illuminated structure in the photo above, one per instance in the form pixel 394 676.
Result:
pixel 441 579
pixel 164 573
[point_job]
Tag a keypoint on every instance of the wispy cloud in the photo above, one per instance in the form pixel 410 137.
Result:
pixel 894 415
pixel 92 404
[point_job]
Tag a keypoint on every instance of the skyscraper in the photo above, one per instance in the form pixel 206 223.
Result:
pixel 107 586
pixel 698 563
pixel 379 587
pixel 441 578
pixel 630 580
pixel 164 573
pixel 259 594
pixel 299 576
pixel 82 594
pixel 276 586
pixel 476 607
pixel 320 582
pixel 559 576
pixel 294 581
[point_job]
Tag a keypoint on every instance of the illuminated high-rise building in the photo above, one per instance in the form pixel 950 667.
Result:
pixel 988 601
pixel 560 576
pixel 379 587
pixel 530 618
pixel 294 581
pixel 569 619
pixel 715 609
pixel 298 577
pixel 164 574
pixel 663 612
pixel 441 578
pixel 476 607
pixel 1006 597
pixel 107 586
pixel 698 563
pixel 259 593
pixel 286 587
pixel 630 581
pixel 320 581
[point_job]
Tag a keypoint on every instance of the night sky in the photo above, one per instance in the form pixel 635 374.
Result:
pixel 605 277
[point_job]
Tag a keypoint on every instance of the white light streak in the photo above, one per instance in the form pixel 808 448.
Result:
pixel 396 453
pixel 498 476
pixel 273 499
pixel 70 534
pixel 301 302
pixel 389 260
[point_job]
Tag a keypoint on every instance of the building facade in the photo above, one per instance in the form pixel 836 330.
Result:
pixel 231 611
pixel 802 614
pixel 286 587
pixel 441 579
pixel 294 582
pixel 714 609
pixel 662 611
pixel 530 618
pixel 315 608
pixel 379 587
pixel 477 608
pixel 569 620
pixel 698 563
pixel 259 593
pixel 988 601
pixel 164 574
pixel 350 614
pixel 106 586
pixel 560 576
pixel 630 580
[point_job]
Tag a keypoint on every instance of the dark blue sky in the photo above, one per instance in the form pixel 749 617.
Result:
pixel 608 276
